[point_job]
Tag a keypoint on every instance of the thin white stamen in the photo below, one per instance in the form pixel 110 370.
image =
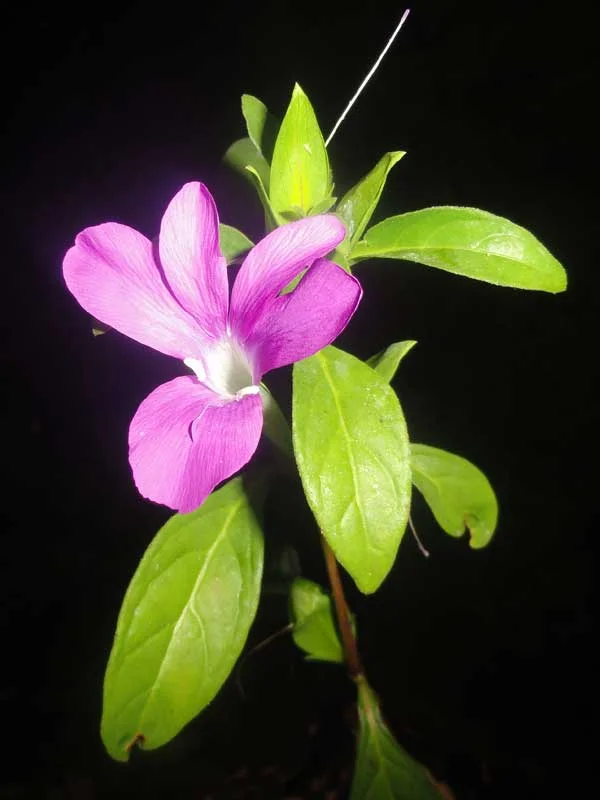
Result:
pixel 420 544
pixel 370 74
pixel 248 390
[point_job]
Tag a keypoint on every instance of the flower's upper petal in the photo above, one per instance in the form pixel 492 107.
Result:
pixel 274 261
pixel 190 256
pixel 297 325
pixel 112 273
pixel 185 439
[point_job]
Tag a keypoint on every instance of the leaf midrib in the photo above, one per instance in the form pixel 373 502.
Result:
pixel 201 574
pixel 346 437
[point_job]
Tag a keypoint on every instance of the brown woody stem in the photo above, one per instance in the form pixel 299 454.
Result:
pixel 342 611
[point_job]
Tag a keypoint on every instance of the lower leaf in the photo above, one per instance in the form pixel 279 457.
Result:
pixel 384 770
pixel 184 620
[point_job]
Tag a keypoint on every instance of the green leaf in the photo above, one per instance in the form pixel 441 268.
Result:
pixel 300 176
pixel 352 452
pixel 457 493
pixel 468 242
pixel 261 125
pixel 233 243
pixel 184 620
pixel 272 219
pixel 384 770
pixel 357 206
pixel 242 155
pixel 324 206
pixel 314 629
pixel 387 361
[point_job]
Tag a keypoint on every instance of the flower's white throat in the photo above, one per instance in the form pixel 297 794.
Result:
pixel 225 369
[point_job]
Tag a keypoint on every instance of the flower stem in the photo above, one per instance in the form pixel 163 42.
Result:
pixel 342 611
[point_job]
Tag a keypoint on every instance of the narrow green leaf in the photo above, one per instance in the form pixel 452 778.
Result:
pixel 184 620
pixel 244 154
pixel 233 243
pixel 357 206
pixel 387 361
pixel 261 125
pixel 312 616
pixel 457 493
pixel 272 219
pixel 466 241
pixel 384 770
pixel 300 176
pixel 352 452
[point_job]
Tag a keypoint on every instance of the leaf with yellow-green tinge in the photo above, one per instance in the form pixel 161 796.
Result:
pixel 457 492
pixel 313 626
pixel 466 241
pixel 358 204
pixel 351 447
pixel 387 361
pixel 300 175
pixel 184 620
pixel 384 770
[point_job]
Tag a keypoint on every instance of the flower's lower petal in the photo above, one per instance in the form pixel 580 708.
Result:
pixel 274 261
pixel 185 439
pixel 191 258
pixel 113 274
pixel 296 325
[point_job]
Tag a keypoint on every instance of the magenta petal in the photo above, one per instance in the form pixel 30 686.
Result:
pixel 296 325
pixel 274 261
pixel 113 275
pixel 191 258
pixel 185 439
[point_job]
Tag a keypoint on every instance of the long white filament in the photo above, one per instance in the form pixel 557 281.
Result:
pixel 370 74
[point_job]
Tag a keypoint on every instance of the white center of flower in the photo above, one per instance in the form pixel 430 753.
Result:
pixel 225 369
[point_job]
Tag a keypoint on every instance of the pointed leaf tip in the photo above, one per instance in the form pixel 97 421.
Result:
pixel 457 492
pixel 468 242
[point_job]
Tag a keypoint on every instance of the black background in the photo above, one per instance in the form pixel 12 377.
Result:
pixel 483 659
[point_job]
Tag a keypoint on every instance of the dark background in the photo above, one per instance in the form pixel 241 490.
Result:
pixel 483 659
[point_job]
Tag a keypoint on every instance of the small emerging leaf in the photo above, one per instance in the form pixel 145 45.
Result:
pixel 233 243
pixel 387 361
pixel 384 770
pixel 261 125
pixel 357 206
pixel 98 327
pixel 352 452
pixel 300 176
pixel 314 628
pixel 457 493
pixel 244 154
pixel 184 621
pixel 466 241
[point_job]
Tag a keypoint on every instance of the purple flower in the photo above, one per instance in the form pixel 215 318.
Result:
pixel 193 432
